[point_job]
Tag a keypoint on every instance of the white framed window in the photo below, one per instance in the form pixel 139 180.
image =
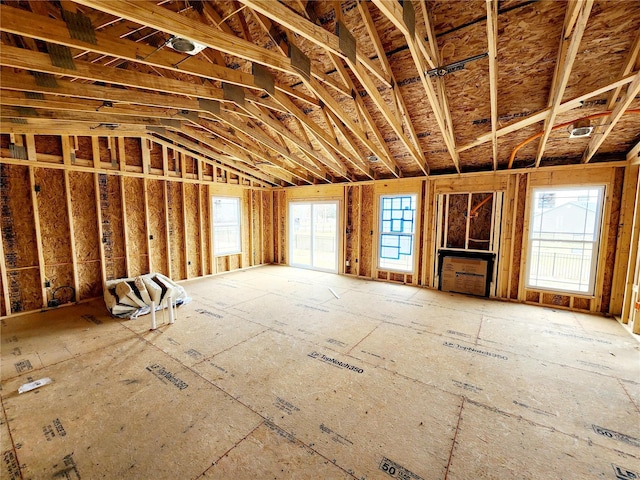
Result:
pixel 564 238
pixel 227 238
pixel 397 232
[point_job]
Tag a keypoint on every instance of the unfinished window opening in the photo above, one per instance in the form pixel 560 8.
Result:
pixel 467 220
pixel 564 236
pixel 226 226
pixel 397 232
pixel 313 238
pixel 468 232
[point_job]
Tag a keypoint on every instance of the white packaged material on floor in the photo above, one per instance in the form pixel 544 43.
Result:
pixel 132 297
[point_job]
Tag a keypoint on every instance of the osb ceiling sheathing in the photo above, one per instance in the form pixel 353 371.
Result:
pixel 378 115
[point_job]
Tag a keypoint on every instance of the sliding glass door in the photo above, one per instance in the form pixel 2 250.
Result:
pixel 313 235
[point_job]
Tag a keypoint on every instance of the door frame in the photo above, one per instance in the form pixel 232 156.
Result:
pixel 338 244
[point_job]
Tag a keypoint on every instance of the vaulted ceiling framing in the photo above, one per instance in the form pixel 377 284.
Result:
pixel 298 92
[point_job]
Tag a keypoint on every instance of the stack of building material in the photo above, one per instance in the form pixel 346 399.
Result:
pixel 132 297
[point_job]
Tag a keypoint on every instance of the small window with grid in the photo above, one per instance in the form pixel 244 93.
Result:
pixel 397 231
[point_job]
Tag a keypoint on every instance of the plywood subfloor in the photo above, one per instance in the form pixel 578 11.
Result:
pixel 267 374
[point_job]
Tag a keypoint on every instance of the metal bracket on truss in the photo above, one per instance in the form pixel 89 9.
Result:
pixel 300 61
pixel 453 67
pixel 79 26
pixel 44 79
pixel 409 17
pixel 34 95
pixel 61 56
pixel 211 106
pixel 189 115
pixel 263 78
pixel 233 93
pixel 347 41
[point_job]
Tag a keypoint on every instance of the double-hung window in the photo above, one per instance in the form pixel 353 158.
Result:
pixel 226 226
pixel 397 232
pixel 564 237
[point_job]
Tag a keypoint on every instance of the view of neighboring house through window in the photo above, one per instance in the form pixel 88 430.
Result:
pixel 397 231
pixel 226 226
pixel 564 238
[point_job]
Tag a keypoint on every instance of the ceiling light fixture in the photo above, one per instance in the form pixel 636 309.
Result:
pixel 184 45
pixel 580 129
pixel 373 158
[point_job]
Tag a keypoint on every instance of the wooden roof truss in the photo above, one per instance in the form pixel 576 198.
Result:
pixel 246 101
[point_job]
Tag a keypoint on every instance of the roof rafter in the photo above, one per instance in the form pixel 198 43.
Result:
pixel 231 143
pixel 188 147
pixel 434 60
pixel 388 159
pixel 363 8
pixel 626 69
pixel 41 62
pixel 315 129
pixel 271 144
pixel 572 32
pixel 283 46
pixel 24 23
pixel 99 73
pixel 85 117
pixel 325 39
pixel 65 88
pixel 170 22
pixel 312 32
pixel 38 61
pixel 305 146
pixel 104 118
pixel 61 127
pixel 199 142
pixel 492 42
pixel 53 102
pixel 165 20
pixel 598 138
pixel 391 118
pixel 542 114
pixel 393 11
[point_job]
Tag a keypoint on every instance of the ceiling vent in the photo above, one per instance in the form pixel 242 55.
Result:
pixel 184 45
pixel 580 129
